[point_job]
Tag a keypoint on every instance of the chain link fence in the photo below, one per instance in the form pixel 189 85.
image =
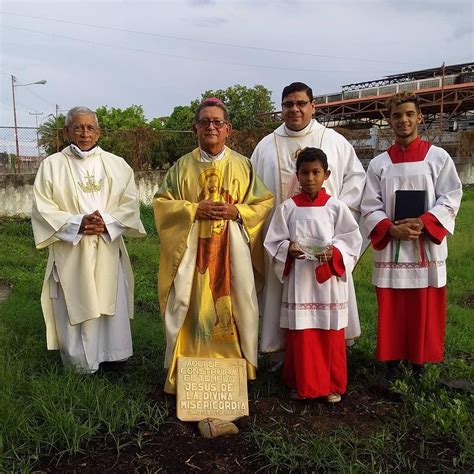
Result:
pixel 148 149
pixel 29 151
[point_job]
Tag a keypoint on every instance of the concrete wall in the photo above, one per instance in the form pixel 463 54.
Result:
pixel 466 172
pixel 148 183
pixel 16 194
pixel 16 189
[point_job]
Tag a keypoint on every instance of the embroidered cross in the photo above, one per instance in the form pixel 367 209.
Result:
pixel 90 186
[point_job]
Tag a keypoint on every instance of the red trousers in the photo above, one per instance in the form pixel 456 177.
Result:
pixel 315 362
pixel 411 324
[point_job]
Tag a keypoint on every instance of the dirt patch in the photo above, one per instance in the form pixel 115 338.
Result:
pixel 178 447
pixel 468 301
pixel 5 290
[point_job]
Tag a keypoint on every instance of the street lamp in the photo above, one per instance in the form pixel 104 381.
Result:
pixel 17 162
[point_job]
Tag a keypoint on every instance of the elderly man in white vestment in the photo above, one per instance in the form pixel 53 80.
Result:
pixel 275 162
pixel 85 200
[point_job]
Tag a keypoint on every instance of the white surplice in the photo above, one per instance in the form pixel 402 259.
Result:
pixel 274 162
pixel 306 303
pixel 437 175
pixel 87 296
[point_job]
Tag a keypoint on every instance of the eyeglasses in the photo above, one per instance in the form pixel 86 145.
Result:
pixel 289 104
pixel 218 123
pixel 78 129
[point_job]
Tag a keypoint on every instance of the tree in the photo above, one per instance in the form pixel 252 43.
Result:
pixel 114 118
pixel 177 138
pixel 244 104
pixel 50 134
pixel 125 132
pixel 181 118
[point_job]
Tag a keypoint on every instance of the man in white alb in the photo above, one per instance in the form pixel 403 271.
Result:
pixel 85 199
pixel 274 161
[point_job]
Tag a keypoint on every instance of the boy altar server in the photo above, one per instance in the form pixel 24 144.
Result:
pixel 314 241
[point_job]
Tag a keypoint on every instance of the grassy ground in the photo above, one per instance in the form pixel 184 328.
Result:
pixel 49 413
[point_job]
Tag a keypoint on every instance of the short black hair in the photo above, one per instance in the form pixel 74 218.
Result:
pixel 310 154
pixel 402 98
pixel 297 87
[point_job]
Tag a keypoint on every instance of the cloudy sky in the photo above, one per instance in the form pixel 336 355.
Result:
pixel 160 54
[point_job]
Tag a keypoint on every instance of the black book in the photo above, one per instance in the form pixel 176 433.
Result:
pixel 409 203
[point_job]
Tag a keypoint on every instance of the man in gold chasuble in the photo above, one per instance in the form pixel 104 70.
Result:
pixel 209 213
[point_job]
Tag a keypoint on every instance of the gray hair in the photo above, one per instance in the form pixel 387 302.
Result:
pixel 77 111
pixel 212 102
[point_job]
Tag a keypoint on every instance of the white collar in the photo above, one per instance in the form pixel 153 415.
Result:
pixel 298 133
pixel 313 126
pixel 208 157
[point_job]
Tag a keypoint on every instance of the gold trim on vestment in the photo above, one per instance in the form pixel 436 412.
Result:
pixel 284 196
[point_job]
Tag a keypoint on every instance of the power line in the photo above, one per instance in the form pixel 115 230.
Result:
pixel 146 51
pixel 18 106
pixel 38 96
pixel 215 43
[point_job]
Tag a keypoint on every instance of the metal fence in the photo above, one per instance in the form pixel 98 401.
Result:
pixel 30 152
pixel 143 148
pixel 147 149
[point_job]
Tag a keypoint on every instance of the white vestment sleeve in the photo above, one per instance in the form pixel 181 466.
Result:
pixel 347 238
pixel 69 232
pixel 372 206
pixel 277 241
pixel 448 190
pixel 353 180
pixel 114 228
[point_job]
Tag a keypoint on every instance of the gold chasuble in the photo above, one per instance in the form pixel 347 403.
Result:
pixel 210 270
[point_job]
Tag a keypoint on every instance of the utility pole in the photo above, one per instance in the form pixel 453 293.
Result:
pixel 442 103
pixel 35 113
pixel 17 143
pixel 56 125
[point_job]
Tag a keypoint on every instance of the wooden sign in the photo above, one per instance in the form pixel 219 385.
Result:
pixel 211 388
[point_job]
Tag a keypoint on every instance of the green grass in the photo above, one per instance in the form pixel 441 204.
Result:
pixel 47 412
pixel 434 429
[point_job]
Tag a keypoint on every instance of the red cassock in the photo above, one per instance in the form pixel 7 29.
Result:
pixel 315 362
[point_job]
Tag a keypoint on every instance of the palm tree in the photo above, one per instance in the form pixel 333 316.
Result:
pixel 50 134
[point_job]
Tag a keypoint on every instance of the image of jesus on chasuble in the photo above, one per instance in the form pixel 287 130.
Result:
pixel 210 270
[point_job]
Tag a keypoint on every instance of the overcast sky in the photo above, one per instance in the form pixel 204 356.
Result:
pixel 160 54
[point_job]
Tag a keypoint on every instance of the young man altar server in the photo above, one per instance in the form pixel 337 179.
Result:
pixel 410 254
pixel 209 213
pixel 274 159
pixel 85 200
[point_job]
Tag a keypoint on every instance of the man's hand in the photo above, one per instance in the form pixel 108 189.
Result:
pixel 226 211
pixel 407 229
pixel 216 211
pixel 295 251
pixel 92 224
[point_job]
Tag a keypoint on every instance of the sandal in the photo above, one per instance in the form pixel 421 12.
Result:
pixel 333 398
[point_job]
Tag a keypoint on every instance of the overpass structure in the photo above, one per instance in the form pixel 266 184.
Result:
pixel 446 96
